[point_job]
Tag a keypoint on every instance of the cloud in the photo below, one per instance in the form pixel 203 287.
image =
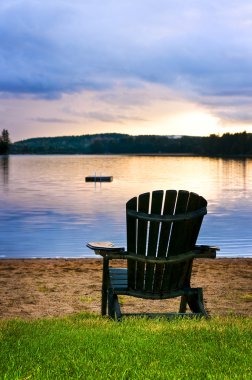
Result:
pixel 52 120
pixel 199 50
pixel 57 47
pixel 110 118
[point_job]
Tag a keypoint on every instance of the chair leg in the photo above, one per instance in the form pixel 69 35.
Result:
pixel 114 310
pixel 117 308
pixel 104 301
pixel 183 303
pixel 196 302
pixel 105 280
pixel 111 304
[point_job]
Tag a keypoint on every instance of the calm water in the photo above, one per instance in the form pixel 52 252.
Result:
pixel 47 209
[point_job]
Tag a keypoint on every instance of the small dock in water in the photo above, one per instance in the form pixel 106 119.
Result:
pixel 98 178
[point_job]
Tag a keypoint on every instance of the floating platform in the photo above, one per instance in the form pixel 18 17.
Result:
pixel 99 178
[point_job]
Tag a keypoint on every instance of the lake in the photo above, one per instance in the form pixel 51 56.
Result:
pixel 48 210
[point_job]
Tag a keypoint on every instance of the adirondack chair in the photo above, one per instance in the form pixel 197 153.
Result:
pixel 162 229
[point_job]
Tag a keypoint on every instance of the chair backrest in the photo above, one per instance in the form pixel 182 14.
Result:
pixel 162 224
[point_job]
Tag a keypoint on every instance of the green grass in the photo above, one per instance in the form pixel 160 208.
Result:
pixel 86 346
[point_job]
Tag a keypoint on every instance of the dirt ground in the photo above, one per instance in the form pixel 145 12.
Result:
pixel 35 288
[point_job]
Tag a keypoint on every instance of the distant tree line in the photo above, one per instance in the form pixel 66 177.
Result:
pixel 228 144
pixel 4 142
pixel 237 144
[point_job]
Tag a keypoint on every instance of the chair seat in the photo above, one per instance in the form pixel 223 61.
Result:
pixel 118 278
pixel 118 282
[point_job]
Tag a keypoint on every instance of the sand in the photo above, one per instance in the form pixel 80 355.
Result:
pixel 35 288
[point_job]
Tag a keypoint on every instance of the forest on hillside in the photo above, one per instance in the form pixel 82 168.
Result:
pixel 237 144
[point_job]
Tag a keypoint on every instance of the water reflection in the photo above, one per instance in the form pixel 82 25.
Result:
pixel 4 169
pixel 50 211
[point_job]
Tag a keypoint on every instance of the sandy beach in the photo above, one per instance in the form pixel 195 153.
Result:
pixel 35 288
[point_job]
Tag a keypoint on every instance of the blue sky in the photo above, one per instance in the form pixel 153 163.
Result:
pixel 137 67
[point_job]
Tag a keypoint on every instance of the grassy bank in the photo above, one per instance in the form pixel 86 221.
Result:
pixel 89 347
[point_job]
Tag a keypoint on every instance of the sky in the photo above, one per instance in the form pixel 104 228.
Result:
pixel 130 66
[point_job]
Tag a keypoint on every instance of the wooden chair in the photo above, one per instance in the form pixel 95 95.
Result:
pixel 162 229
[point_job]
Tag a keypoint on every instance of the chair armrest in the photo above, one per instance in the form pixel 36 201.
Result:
pixel 206 251
pixel 106 248
pixel 111 251
pixel 199 251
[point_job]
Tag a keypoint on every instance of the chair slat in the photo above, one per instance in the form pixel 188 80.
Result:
pixel 188 239
pixel 192 228
pixel 168 209
pixel 156 208
pixel 197 221
pixel 143 205
pixel 131 240
pixel 118 277
pixel 176 239
pixel 119 284
pixel 172 272
pixel 169 205
pixel 185 269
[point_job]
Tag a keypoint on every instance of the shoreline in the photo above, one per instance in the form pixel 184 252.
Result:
pixel 223 156
pixel 97 257
pixel 37 288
